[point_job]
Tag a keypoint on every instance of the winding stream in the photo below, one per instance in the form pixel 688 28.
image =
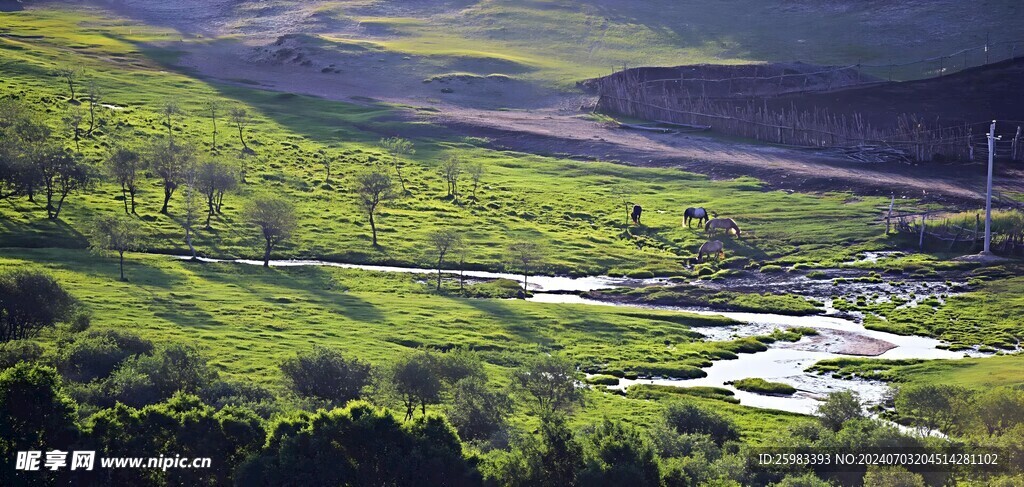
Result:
pixel 782 362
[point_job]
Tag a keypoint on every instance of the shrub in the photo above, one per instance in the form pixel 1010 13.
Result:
pixel 324 373
pixel 688 418
pixel 95 354
pixel 18 351
pixel 603 380
pixel 478 412
pixel 31 301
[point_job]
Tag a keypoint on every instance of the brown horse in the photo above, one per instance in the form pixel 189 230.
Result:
pixel 698 213
pixel 721 224
pixel 711 247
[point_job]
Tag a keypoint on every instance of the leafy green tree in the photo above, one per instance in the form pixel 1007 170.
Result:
pixel 416 380
pixel 554 458
pixel 804 480
pixel 688 418
pixel 360 445
pixel 477 411
pixel 1000 410
pixel 933 406
pixel 16 351
pixel 618 455
pixel 95 354
pixel 146 379
pixel 213 180
pixel 549 383
pixel 35 414
pixel 61 174
pixel 274 217
pixel 326 374
pixel 119 234
pixel 183 426
pixel 171 162
pixel 126 165
pixel 30 302
pixel 891 476
pixel 838 408
pixel 374 188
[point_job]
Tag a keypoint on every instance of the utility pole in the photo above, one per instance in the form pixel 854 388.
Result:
pixel 988 194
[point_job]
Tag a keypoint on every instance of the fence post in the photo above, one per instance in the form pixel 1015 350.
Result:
pixel 977 223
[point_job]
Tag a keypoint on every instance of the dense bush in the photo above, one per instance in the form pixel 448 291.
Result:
pixel 324 373
pixel 30 302
pixel 95 354
pixel 35 414
pixel 18 351
pixel 477 412
pixel 688 418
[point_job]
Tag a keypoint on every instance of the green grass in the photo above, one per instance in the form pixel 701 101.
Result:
pixel 974 373
pixel 248 319
pixel 693 296
pixel 573 209
pixel 655 391
pixel 761 386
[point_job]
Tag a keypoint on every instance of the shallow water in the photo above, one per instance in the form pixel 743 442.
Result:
pixel 782 362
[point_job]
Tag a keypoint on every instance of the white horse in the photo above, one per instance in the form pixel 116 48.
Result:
pixel 711 247
pixel 699 214
pixel 721 224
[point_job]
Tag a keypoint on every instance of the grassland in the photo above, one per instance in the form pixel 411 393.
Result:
pixel 522 196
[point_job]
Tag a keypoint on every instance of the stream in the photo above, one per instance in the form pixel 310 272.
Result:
pixel 783 361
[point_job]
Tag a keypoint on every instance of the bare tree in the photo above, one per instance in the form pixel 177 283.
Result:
pixel 374 188
pixel 213 106
pixel 444 242
pixel 241 118
pixel 524 256
pixel 476 174
pixel 327 161
pixel 125 165
pixel 451 170
pixel 70 75
pixel 398 147
pixel 62 174
pixel 276 219
pixel 215 178
pixel 170 110
pixel 192 205
pixel 95 95
pixel 116 234
pixel 73 121
pixel 170 163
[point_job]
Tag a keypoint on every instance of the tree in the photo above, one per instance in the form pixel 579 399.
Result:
pixel 1000 410
pixel 148 378
pixel 241 118
pixel 62 173
pixel 838 408
pixel 125 165
pixel 892 476
pixel 549 382
pixel 73 121
pixel 324 373
pixel 95 354
pixel 169 111
pixel 171 163
pixel 275 218
pixel 95 94
pixel 373 188
pixel 23 135
pixel 213 107
pixel 397 147
pixel 933 406
pixel 477 411
pixel 192 205
pixel 524 256
pixel 31 301
pixel 116 234
pixel 444 242
pixel 416 380
pixel 451 170
pixel 688 419
pixel 476 174
pixel 327 160
pixel 554 458
pixel 214 178
pixel 359 445
pixel 35 414
pixel 618 455
pixel 70 75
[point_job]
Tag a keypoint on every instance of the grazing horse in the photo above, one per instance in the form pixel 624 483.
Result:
pixel 721 224
pixel 699 214
pixel 711 247
pixel 637 210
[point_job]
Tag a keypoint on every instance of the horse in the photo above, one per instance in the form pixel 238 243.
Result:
pixel 715 247
pixel 637 210
pixel 721 224
pixel 699 214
